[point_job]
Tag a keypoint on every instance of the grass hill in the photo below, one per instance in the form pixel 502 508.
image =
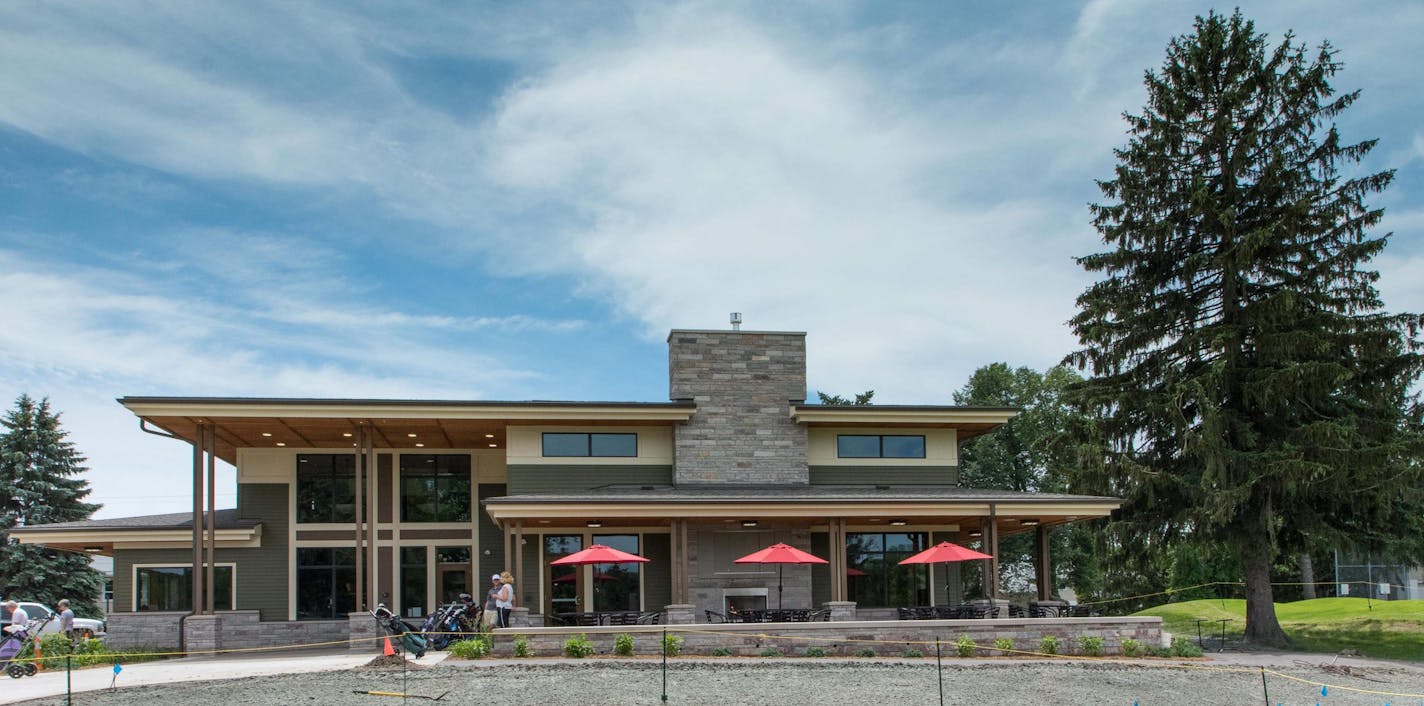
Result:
pixel 1386 629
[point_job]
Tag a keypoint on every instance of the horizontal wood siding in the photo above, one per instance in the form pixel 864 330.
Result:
pixel 884 475
pixel 657 573
pixel 261 571
pixel 562 478
pixel 491 544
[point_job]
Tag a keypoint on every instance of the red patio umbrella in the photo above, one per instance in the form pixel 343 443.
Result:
pixel 780 554
pixel 599 554
pixel 945 553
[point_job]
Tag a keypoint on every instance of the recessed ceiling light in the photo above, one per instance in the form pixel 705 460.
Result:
pixel 494 446
pixel 281 443
pixel 898 523
pixel 411 435
pixel 489 436
pixel 420 444
pixel 266 433
pixel 595 523
pixel 749 523
pixel 346 434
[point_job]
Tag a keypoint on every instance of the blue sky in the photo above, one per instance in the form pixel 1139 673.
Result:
pixel 500 201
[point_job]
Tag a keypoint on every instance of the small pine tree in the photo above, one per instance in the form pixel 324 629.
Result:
pixel 41 475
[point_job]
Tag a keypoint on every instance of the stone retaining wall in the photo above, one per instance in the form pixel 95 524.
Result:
pixel 228 630
pixel 887 638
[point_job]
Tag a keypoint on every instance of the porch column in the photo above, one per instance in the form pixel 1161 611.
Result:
pixel 199 439
pixel 359 491
pixel 209 604
pixel 372 498
pixel 676 578
pixel 1043 567
pixel 519 559
pixel 991 547
pixel 840 591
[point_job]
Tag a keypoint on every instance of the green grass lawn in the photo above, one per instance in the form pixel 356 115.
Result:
pixel 1387 629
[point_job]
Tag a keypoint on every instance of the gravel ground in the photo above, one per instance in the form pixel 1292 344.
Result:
pixel 795 681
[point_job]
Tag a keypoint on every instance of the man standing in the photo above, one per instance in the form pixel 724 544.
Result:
pixel 19 619
pixel 66 619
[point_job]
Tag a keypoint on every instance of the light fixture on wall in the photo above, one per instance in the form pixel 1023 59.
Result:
pixel 898 523
pixel 595 523
pixel 1029 522
pixel 749 523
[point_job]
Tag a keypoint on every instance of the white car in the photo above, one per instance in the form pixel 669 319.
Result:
pixel 84 627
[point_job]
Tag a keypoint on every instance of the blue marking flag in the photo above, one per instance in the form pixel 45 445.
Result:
pixel 1324 691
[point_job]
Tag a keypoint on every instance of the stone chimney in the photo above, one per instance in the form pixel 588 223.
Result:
pixel 743 383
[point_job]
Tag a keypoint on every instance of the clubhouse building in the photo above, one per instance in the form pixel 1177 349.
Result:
pixel 346 503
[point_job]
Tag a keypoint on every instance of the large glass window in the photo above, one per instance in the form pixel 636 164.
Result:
pixel 412 573
pixel 883 583
pixel 326 582
pixel 597 445
pixel 435 488
pixel 326 488
pixel 615 586
pixel 880 446
pixel 171 588
pixel 563 580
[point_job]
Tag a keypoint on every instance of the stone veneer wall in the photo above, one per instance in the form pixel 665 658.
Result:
pixel 743 383
pixel 235 630
pixel 844 638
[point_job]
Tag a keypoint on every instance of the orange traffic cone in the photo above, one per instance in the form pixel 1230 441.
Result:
pixel 39 656
pixel 388 650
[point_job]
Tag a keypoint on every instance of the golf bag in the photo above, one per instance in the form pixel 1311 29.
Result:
pixel 410 640
pixel 444 625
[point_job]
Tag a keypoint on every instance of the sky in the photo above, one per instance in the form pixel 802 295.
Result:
pixel 514 201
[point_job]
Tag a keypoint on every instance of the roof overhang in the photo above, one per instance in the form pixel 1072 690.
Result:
pixel 970 421
pixel 401 424
pixel 106 540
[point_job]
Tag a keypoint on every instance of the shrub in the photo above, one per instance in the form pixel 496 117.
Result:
pixel 912 653
pixel 770 652
pixel 521 647
pixel 1048 645
pixel 1004 645
pixel 623 645
pixel 1092 646
pixel 814 652
pixel 473 648
pixel 1159 652
pixel 865 652
pixel 84 653
pixel 578 646
pixel 1182 647
pixel 1131 647
pixel 721 652
pixel 964 646
pixel 672 645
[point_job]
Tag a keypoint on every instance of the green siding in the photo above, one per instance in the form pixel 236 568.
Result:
pixel 820 573
pixel 528 584
pixel 884 475
pixel 491 539
pixel 657 573
pixel 261 571
pixel 526 479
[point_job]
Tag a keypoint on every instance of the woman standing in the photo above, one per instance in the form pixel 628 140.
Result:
pixel 504 599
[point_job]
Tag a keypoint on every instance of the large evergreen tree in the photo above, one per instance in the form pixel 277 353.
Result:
pixel 1249 389
pixel 41 482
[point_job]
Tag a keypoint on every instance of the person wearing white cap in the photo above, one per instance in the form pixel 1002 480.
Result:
pixel 491 616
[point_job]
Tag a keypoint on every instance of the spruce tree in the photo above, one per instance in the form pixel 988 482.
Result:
pixel 1249 388
pixel 41 474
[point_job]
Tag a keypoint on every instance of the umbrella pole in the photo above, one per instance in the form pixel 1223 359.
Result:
pixel 779 568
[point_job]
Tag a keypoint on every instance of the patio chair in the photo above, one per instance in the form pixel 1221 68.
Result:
pixel 905 613
pixel 623 618
pixel 1017 611
pixel 715 617
pixel 946 612
pixel 925 612
pixel 819 616
pixel 587 619
pixel 653 618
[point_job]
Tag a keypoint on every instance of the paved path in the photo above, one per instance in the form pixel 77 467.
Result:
pixel 52 683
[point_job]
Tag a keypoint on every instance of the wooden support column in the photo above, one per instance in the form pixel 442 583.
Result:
pixel 358 488
pixel 1043 567
pixel 519 576
pixel 199 437
pixel 840 589
pixel 676 577
pixel 372 499
pixel 991 547
pixel 209 577
pixel 685 563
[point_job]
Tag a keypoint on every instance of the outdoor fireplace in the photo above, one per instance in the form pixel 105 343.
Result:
pixel 736 600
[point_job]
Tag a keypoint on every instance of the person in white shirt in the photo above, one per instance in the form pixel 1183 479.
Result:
pixel 19 619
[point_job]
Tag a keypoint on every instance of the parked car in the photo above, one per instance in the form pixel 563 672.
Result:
pixel 85 627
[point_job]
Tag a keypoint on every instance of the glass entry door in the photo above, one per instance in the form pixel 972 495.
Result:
pixel 453 566
pixel 565 582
